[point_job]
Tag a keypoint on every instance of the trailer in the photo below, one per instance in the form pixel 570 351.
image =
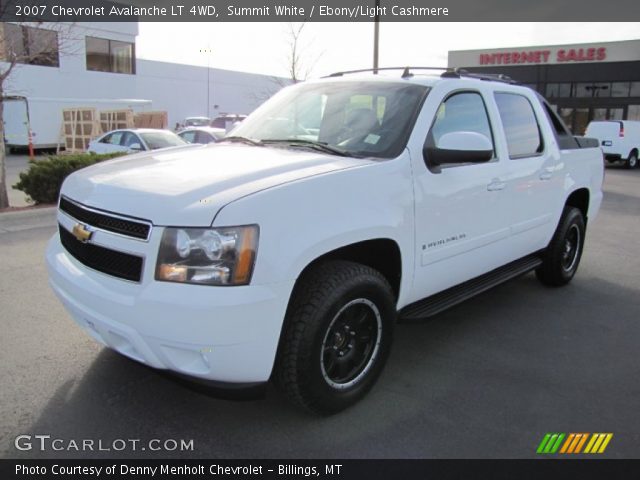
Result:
pixel 38 120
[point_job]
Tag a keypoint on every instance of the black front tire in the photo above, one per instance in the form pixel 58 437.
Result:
pixel 561 258
pixel 326 300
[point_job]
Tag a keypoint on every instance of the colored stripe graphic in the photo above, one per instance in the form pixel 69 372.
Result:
pixel 552 442
pixel 581 443
pixel 568 442
pixel 598 442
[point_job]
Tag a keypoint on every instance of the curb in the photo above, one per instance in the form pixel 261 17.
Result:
pixel 30 211
pixel 27 219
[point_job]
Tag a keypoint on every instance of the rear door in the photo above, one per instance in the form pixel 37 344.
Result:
pixel 16 124
pixel 534 172
pixel 610 134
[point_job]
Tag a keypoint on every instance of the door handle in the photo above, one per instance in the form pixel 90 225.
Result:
pixel 496 185
pixel 546 174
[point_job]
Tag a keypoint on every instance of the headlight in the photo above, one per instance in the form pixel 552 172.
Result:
pixel 208 256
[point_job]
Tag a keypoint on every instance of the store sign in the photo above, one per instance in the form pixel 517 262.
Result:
pixel 560 55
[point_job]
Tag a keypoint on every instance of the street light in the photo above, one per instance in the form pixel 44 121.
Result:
pixel 594 89
pixel 208 51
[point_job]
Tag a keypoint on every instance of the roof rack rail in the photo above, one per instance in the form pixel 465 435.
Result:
pixel 492 77
pixel 447 73
pixel 406 71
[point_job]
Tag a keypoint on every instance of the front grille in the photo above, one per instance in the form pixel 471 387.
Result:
pixel 105 221
pixel 105 260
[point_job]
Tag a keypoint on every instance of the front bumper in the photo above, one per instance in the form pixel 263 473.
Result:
pixel 225 334
pixel 612 157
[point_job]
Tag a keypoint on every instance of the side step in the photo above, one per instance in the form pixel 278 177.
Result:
pixel 441 301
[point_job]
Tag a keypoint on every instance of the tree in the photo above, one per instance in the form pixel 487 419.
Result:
pixel 30 43
pixel 299 60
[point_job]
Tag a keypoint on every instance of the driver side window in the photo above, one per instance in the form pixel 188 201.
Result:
pixel 461 112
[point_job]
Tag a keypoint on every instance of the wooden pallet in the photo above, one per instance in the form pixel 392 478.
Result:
pixel 79 126
pixel 116 119
pixel 151 120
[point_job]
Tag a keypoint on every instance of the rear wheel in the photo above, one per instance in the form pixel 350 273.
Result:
pixel 337 336
pixel 562 256
pixel 632 161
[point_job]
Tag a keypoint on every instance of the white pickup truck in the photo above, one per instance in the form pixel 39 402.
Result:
pixel 289 250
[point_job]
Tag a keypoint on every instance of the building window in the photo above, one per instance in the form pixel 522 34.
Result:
pixel 110 56
pixel 635 89
pixel 620 89
pixel 593 90
pixel 29 45
pixel 633 112
pixel 558 90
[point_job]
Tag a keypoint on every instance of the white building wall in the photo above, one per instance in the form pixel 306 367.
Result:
pixel 181 90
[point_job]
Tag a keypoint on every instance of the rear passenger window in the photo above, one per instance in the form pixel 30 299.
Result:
pixel 520 125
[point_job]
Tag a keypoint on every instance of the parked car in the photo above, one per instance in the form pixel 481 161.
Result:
pixel 227 121
pixel 202 135
pixel 620 140
pixel 196 122
pixel 273 255
pixel 135 140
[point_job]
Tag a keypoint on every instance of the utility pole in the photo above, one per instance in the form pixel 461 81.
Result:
pixel 207 51
pixel 376 36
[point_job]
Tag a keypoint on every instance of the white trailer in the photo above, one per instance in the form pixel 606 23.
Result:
pixel 43 116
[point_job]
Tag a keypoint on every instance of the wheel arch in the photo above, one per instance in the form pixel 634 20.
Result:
pixel 381 254
pixel 579 199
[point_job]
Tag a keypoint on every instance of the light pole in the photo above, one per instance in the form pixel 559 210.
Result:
pixel 376 36
pixel 207 51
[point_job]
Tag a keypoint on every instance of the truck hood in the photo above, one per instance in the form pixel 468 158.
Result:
pixel 187 186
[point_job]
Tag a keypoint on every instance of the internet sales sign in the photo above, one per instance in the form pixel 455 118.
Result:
pixel 561 55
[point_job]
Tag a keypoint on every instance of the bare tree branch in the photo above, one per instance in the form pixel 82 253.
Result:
pixel 299 59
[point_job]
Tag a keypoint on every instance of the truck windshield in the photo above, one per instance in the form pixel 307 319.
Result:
pixel 372 119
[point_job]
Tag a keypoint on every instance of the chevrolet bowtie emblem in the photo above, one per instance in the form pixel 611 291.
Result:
pixel 81 232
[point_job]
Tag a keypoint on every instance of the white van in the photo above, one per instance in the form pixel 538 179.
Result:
pixel 620 140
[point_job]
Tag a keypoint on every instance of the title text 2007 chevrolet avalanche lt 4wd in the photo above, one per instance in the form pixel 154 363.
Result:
pixel 289 250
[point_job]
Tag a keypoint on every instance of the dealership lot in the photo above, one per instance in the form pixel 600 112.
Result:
pixel 486 379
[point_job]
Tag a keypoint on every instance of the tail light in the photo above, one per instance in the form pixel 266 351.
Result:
pixel 621 134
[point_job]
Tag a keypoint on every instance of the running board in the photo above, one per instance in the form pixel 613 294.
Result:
pixel 441 301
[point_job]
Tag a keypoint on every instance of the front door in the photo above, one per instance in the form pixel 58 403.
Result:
pixel 459 211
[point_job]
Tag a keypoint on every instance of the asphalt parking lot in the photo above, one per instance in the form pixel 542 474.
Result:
pixel 486 379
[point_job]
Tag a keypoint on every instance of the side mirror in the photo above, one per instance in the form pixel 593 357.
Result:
pixel 458 147
pixel 135 146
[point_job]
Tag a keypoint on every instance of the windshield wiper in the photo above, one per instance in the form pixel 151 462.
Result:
pixel 321 146
pixel 237 139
